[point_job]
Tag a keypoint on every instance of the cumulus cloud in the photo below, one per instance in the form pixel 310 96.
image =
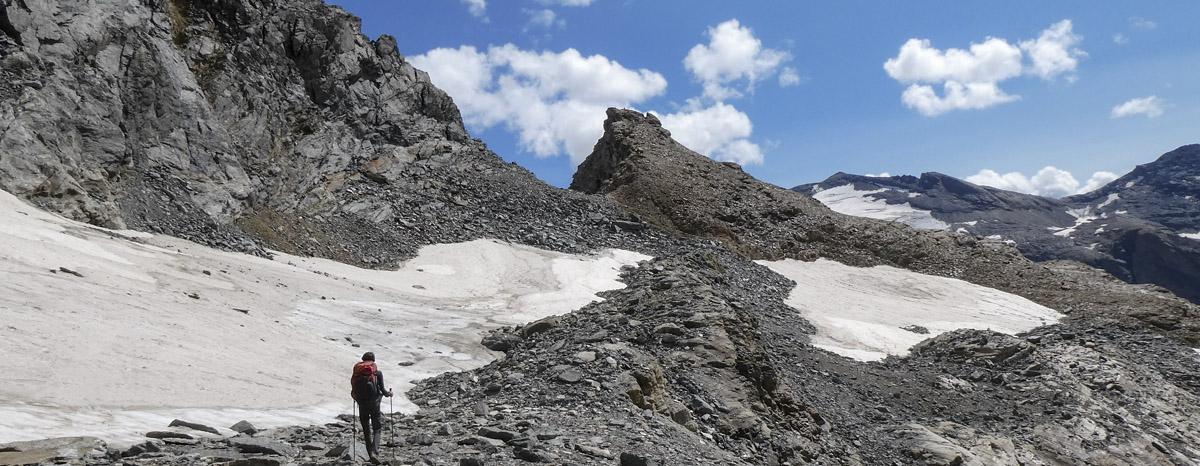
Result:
pixel 544 18
pixel 1120 39
pixel 990 61
pixel 477 8
pixel 1054 52
pixel 732 54
pixel 719 131
pixel 553 101
pixel 969 78
pixel 955 96
pixel 1098 180
pixel 1151 106
pixel 1049 181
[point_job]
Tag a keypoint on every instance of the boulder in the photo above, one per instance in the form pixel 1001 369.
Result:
pixel 496 433
pixel 244 427
pixel 194 426
pixel 165 434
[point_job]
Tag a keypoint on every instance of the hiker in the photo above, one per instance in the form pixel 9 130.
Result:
pixel 367 389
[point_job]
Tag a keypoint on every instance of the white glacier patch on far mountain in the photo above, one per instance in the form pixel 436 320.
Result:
pixel 847 200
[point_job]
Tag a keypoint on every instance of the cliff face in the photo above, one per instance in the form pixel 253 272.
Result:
pixel 248 123
pixel 231 101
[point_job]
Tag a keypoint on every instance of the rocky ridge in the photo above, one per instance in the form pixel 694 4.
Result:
pixel 637 164
pixel 1136 227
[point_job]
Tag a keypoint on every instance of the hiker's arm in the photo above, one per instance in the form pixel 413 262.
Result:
pixel 382 387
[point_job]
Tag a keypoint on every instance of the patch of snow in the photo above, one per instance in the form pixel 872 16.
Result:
pixel 847 200
pixel 1131 183
pixel 158 328
pixel 1099 230
pixel 961 230
pixel 1122 212
pixel 859 312
pixel 1114 197
pixel 1082 216
pixel 994 237
pixel 1195 236
pixel 971 223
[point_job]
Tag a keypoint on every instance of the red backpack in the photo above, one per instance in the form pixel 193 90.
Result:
pixel 364 385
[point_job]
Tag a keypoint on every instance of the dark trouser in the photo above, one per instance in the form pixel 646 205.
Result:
pixel 372 424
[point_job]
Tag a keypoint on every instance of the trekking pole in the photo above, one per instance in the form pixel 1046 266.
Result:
pixel 354 432
pixel 392 422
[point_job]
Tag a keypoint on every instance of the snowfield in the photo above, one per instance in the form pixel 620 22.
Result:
pixel 859 311
pixel 847 200
pixel 112 334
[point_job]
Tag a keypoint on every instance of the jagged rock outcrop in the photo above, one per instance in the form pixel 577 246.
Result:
pixel 1118 228
pixel 254 123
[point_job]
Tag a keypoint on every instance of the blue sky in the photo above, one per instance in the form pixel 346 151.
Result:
pixel 1046 92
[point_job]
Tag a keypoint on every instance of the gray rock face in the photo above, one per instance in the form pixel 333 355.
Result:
pixel 1119 228
pixel 247 123
pixel 222 98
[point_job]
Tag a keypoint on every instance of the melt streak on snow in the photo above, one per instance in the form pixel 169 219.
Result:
pixel 859 311
pixel 847 200
pixel 157 327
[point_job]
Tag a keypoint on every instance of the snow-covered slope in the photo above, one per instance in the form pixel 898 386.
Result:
pixel 112 333
pixel 862 312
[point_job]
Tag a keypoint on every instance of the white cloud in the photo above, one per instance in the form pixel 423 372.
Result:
pixel 719 131
pixel 1098 180
pixel 956 96
pixel 554 102
pixel 969 79
pixel 544 18
pixel 477 8
pixel 1150 106
pixel 1120 39
pixel 1054 52
pixel 991 61
pixel 1142 23
pixel 732 54
pixel 1049 181
pixel 880 175
pixel 788 77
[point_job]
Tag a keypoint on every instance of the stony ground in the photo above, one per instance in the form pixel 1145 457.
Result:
pixel 304 136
